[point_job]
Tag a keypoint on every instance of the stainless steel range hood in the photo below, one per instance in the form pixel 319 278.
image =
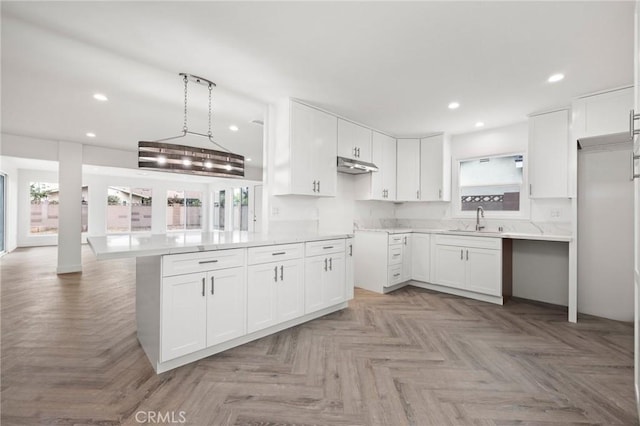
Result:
pixel 355 167
pixel 605 142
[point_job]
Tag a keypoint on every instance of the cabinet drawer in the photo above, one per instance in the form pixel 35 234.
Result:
pixel 275 253
pixel 316 248
pixel 477 242
pixel 395 275
pixel 187 263
pixel 396 239
pixel 395 254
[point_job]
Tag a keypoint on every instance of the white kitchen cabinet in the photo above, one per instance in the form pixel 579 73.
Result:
pixel 306 150
pixel 468 263
pixel 379 260
pixel 274 293
pixel 226 305
pixel 448 265
pixel 184 315
pixel 435 168
pixel 421 257
pixel 601 114
pixel 354 141
pixel 349 272
pixel 407 266
pixel 201 310
pixel 380 185
pixel 325 275
pixel 549 155
pixel 484 271
pixel 408 170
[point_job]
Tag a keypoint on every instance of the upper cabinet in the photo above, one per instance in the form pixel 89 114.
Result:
pixel 354 141
pixel 305 151
pixel 408 170
pixel 435 168
pixel 380 185
pixel 604 113
pixel 549 155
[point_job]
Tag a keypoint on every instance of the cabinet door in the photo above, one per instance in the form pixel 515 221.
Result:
pixel 431 168
pixel 314 151
pixel 354 141
pixel 388 165
pixel 449 267
pixel 314 271
pixel 602 114
pixel 408 170
pixel 549 155
pixel 226 305
pixel 349 273
pixel 184 315
pixel 407 270
pixel 290 290
pixel 261 296
pixel 420 257
pixel 334 287
pixel 484 271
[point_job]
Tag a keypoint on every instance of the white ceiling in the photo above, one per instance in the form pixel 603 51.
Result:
pixel 391 65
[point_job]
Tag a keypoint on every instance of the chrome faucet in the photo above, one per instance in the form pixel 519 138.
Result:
pixel 479 212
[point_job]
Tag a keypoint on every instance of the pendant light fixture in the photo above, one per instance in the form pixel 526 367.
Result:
pixel 159 155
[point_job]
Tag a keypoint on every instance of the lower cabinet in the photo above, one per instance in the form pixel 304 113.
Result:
pixel 324 281
pixel 421 257
pixel 201 310
pixel 472 264
pixel 274 293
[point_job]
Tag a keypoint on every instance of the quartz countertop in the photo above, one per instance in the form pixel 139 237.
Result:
pixel 136 245
pixel 507 234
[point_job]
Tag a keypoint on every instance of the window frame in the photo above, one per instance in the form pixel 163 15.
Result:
pixel 525 203
pixel 130 206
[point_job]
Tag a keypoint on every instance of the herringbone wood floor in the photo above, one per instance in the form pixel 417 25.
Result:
pixel 70 356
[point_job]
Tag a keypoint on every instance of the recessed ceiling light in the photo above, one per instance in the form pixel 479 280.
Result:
pixel 454 105
pixel 248 159
pixel 100 97
pixel 91 135
pixel 479 124
pixel 233 128
pixel 555 78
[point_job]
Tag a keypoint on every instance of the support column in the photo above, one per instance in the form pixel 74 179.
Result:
pixel 70 211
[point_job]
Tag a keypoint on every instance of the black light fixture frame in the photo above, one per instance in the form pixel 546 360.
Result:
pixel 162 156
pixel 187 159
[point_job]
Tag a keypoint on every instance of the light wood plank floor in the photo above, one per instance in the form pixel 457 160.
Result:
pixel 70 356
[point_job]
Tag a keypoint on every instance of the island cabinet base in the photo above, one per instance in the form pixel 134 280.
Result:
pixel 193 305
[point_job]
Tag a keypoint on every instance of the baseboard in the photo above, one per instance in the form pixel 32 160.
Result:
pixel 498 300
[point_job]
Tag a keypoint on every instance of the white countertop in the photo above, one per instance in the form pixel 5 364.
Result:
pixel 136 245
pixel 509 235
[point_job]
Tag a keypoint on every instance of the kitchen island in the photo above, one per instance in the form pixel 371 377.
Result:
pixel 198 294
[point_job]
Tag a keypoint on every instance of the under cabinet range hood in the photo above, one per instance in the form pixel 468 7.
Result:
pixel 605 142
pixel 355 167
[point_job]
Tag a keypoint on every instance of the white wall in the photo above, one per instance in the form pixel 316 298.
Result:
pixel 605 227
pixel 11 201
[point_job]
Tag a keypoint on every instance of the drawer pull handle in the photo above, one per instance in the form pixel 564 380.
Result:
pixel 396 255
pixel 396 275
pixel 207 261
pixel 327 247
pixel 278 253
